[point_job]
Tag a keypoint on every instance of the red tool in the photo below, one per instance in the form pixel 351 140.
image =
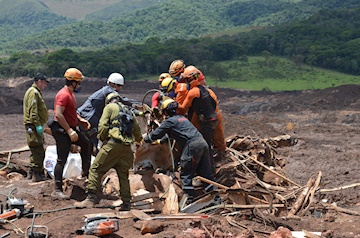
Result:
pixel 8 215
pixel 99 226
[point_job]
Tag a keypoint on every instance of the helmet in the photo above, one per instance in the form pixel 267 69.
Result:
pixel 191 73
pixel 73 74
pixel 111 96
pixel 169 105
pixel 168 84
pixel 163 76
pixel 176 67
pixel 116 78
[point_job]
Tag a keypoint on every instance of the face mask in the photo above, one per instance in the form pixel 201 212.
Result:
pixel 171 94
pixel 177 78
pixel 77 90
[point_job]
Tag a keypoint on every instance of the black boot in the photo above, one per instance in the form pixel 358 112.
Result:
pixel 30 173
pixel 38 177
pixel 125 206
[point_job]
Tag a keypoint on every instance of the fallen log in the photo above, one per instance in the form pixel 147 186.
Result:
pixel 311 195
pixel 18 150
pixel 300 200
pixel 251 206
pixel 324 190
pixel 266 167
pixel 339 209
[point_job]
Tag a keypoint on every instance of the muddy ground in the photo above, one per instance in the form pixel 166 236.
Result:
pixel 325 122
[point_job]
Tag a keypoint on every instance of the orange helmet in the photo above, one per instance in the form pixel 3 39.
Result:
pixel 176 67
pixel 74 74
pixel 163 76
pixel 191 73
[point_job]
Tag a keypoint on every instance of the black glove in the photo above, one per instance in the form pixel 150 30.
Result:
pixel 147 140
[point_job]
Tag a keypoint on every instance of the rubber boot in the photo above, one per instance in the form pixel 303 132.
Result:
pixel 87 203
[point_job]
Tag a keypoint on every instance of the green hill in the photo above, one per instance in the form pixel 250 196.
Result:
pixel 20 18
pixel 166 19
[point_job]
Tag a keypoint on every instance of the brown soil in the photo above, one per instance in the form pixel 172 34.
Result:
pixel 326 123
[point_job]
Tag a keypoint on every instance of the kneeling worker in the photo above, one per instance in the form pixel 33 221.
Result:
pixel 195 156
pixel 118 129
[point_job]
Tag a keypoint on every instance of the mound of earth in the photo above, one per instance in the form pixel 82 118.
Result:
pixel 325 122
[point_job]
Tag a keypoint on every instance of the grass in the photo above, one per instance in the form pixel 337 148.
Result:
pixel 277 74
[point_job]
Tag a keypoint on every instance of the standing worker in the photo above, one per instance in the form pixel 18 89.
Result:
pixel 93 107
pixel 64 129
pixel 35 116
pixel 200 107
pixel 195 151
pixel 219 137
pixel 118 129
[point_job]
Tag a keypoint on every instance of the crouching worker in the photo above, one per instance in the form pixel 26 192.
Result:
pixel 195 154
pixel 118 129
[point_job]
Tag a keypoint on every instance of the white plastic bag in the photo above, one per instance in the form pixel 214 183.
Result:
pixel 72 167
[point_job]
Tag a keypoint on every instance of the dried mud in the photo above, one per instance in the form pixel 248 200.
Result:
pixel 326 123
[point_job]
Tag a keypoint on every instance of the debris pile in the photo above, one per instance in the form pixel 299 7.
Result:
pixel 251 191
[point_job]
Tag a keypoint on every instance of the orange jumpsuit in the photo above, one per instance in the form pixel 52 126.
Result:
pixel 181 92
pixel 199 100
pixel 219 137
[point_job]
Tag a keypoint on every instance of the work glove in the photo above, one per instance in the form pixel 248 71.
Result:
pixel 156 142
pixel 40 130
pixel 85 123
pixel 72 134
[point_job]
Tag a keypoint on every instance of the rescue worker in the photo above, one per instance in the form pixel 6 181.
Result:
pixel 176 68
pixel 156 98
pixel 200 107
pixel 219 137
pixel 93 107
pixel 35 116
pixel 115 152
pixel 195 151
pixel 174 89
pixel 64 129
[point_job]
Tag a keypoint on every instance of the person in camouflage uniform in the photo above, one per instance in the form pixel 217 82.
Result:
pixel 35 116
pixel 115 152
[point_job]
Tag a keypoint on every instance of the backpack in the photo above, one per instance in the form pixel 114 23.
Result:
pixel 125 119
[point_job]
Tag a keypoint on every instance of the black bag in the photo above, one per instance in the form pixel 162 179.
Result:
pixel 125 119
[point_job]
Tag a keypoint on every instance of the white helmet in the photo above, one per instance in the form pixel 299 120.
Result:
pixel 116 78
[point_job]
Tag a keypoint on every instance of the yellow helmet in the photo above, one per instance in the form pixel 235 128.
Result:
pixel 74 74
pixel 111 96
pixel 169 105
pixel 191 73
pixel 163 76
pixel 168 84
pixel 176 67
